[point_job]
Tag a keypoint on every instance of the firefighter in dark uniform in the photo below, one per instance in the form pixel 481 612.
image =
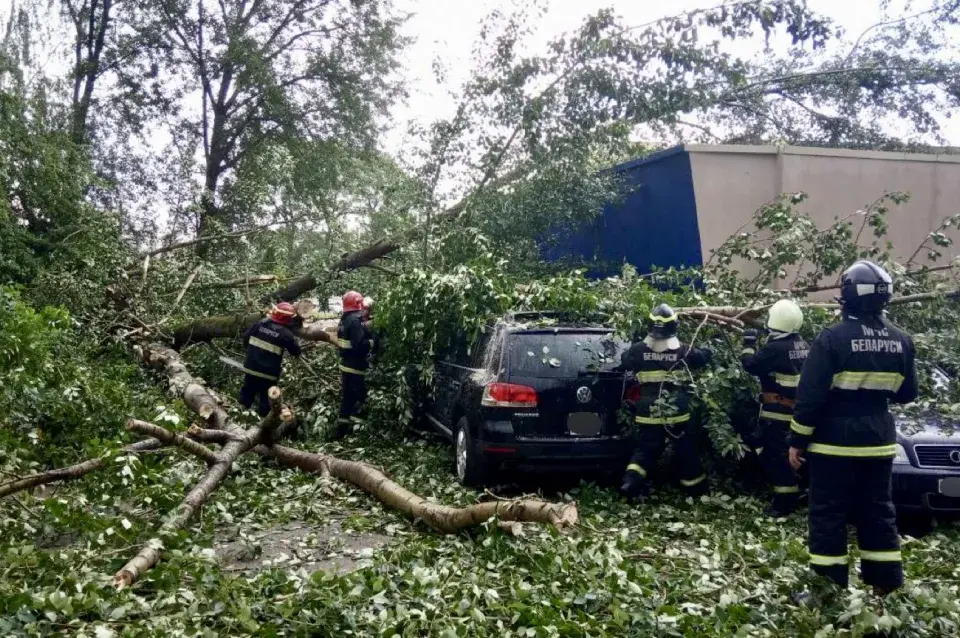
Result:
pixel 353 341
pixel 662 366
pixel 777 365
pixel 265 343
pixel 842 427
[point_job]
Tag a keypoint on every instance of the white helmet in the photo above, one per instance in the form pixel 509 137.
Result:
pixel 367 302
pixel 785 316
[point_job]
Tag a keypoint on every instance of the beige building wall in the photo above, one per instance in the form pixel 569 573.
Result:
pixel 732 182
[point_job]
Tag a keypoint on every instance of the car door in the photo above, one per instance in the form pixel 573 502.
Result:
pixel 448 381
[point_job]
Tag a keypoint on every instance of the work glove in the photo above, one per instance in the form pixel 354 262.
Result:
pixel 750 337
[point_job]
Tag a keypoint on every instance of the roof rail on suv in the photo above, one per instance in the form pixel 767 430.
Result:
pixel 533 315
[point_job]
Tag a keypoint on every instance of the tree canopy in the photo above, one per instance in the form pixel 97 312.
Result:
pixel 171 168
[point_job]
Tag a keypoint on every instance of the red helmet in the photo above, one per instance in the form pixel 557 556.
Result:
pixel 283 313
pixel 352 301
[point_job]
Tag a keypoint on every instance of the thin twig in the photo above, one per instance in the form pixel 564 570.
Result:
pixel 183 291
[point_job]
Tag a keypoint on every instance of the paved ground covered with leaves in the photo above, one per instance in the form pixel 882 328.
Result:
pixel 279 553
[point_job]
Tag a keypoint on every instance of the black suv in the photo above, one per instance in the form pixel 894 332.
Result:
pixel 532 392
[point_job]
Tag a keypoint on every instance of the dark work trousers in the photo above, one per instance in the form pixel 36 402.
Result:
pixel 353 395
pixel 652 440
pixel 776 464
pixel 255 389
pixel 857 490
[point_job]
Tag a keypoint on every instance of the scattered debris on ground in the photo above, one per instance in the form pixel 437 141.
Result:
pixel 298 545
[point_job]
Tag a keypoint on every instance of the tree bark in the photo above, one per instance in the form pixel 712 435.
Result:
pixel 172 438
pixel 220 326
pixel 74 471
pixel 442 518
pixel 182 384
pixel 87 67
pixel 149 555
pixel 211 436
pixel 233 326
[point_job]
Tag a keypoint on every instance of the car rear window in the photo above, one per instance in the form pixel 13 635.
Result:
pixel 562 354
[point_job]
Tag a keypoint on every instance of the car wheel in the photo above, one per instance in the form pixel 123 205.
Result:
pixel 916 524
pixel 470 468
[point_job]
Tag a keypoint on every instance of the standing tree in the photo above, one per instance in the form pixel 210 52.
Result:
pixel 268 83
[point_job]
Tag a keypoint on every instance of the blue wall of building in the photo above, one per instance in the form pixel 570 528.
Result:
pixel 656 225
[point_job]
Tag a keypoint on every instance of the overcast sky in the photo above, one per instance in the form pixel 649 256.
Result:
pixel 447 30
pixel 448 34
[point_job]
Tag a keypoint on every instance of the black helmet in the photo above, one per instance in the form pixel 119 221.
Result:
pixel 865 288
pixel 664 322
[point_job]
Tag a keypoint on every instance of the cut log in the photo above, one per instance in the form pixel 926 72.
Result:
pixel 74 471
pixel 182 384
pixel 149 555
pixel 172 438
pixel 442 518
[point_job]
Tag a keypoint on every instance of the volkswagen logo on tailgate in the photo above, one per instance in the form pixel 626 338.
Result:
pixel 584 395
pixel 954 454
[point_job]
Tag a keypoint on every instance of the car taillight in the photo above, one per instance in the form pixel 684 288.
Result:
pixel 632 393
pixel 509 395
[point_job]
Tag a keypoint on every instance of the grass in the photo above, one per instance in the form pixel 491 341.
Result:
pixel 671 567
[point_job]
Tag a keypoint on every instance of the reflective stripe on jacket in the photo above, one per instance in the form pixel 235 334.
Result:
pixel 855 369
pixel 265 342
pixel 663 377
pixel 353 342
pixel 777 366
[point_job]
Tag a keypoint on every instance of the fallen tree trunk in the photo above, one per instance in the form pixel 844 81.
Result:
pixel 233 326
pixel 261 438
pixel 74 471
pixel 226 326
pixel 912 273
pixel 442 518
pixel 149 555
pixel 385 246
pixel 750 315
pixel 220 326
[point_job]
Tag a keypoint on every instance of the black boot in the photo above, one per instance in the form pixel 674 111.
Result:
pixel 782 505
pixel 344 427
pixel 634 486
pixel 773 511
